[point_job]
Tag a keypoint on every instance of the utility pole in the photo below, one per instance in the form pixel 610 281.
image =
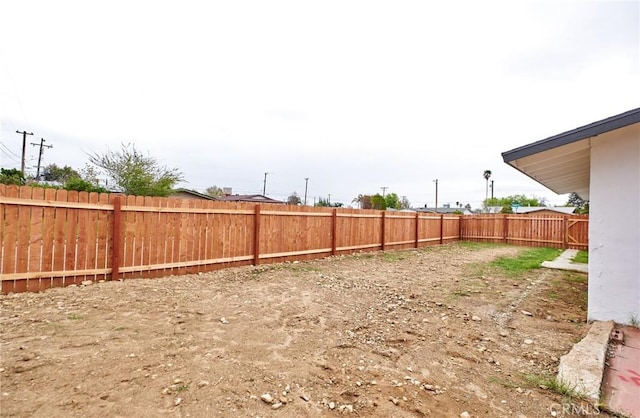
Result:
pixel 264 187
pixel 491 189
pixel 384 189
pixel 42 147
pixel 329 201
pixel 24 148
pixel 306 183
pixel 436 182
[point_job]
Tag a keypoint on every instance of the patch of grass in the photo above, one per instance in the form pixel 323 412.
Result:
pixel 365 256
pixel 393 256
pixel 119 328
pixel 476 270
pixel 459 293
pixel 581 257
pixel 553 384
pixel 303 269
pixel 75 317
pixel 264 269
pixel 502 382
pixel 575 277
pixel 182 388
pixel 553 295
pixel 474 246
pixel 528 260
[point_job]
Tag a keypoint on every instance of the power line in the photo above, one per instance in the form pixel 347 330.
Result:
pixel 11 152
pixel 10 157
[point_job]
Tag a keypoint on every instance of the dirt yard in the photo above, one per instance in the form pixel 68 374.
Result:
pixel 431 332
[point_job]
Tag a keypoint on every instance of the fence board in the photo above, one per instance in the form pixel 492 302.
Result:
pixel 83 240
pixel 59 252
pixel 35 239
pixel 22 241
pixel 48 224
pixel 152 238
pixel 10 235
pixel 104 229
pixel 91 255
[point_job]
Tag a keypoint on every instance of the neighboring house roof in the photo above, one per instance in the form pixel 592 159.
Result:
pixel 529 209
pixel 251 198
pixel 444 210
pixel 562 162
pixel 190 194
pixel 560 209
pixel 492 209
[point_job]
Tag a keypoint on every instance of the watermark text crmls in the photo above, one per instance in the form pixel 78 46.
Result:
pixel 573 409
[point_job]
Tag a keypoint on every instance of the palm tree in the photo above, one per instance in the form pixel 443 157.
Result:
pixel 486 175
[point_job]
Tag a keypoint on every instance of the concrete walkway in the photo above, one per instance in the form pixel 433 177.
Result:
pixel 621 383
pixel 563 262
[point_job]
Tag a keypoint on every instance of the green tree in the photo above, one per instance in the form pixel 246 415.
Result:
pixel 378 202
pixel 294 199
pixel 576 201
pixel 137 174
pixel 81 185
pixel 90 174
pixel 327 204
pixel 11 176
pixel 507 202
pixel 392 201
pixel 60 174
pixel 214 191
pixel 364 201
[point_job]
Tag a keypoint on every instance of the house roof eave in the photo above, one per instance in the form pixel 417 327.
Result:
pixel 593 129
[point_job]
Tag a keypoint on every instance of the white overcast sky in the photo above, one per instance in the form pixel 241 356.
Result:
pixel 354 95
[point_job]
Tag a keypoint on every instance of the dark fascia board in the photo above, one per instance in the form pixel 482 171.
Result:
pixel 596 128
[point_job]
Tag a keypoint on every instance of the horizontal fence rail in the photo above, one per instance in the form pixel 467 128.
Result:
pixel 54 238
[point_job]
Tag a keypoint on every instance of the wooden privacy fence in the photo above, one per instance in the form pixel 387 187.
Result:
pixel 54 238
pixel 568 231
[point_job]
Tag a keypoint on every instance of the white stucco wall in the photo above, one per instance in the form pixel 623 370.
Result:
pixel 614 226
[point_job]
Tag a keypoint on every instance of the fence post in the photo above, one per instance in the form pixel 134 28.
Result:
pixel 565 232
pixel 442 228
pixel 417 229
pixel 256 236
pixel 382 238
pixel 460 218
pixel 116 237
pixel 334 231
pixel 505 228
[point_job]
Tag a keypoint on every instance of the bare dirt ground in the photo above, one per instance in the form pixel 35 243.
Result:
pixel 430 332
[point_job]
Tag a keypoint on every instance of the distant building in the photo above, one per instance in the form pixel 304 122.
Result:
pixel 538 210
pixel 190 194
pixel 445 210
pixel 249 198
